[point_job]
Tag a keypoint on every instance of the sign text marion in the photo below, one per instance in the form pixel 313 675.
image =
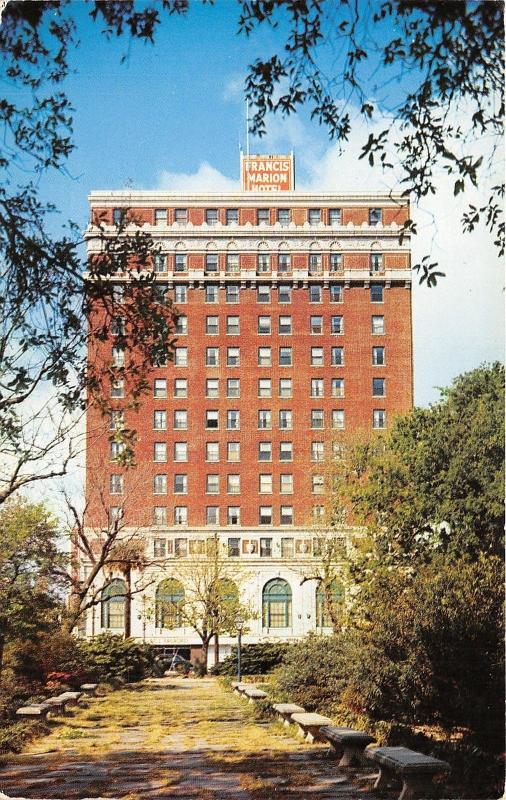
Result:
pixel 267 173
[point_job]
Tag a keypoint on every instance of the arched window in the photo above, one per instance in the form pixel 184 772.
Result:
pixel 168 600
pixel 113 605
pixel 277 604
pixel 228 590
pixel 323 619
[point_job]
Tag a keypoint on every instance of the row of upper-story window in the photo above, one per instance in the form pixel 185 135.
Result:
pixel 283 327
pixel 264 293
pixel 285 547
pixel 266 515
pixel 233 263
pixel 316 449
pixel 180 481
pixel 235 216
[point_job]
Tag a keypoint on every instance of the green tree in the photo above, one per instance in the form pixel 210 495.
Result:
pixel 31 567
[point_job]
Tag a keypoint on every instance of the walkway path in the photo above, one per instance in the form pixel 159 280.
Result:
pixel 174 738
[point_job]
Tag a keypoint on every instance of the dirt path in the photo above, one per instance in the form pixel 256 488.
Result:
pixel 174 738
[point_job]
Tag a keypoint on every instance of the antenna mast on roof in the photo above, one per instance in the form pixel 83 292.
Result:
pixel 247 127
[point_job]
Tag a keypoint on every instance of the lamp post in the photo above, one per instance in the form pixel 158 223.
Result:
pixel 239 624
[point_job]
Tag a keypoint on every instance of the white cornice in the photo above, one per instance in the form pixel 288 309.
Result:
pixel 151 198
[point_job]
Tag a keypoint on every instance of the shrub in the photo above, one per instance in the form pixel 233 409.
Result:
pixel 110 658
pixel 313 673
pixel 256 659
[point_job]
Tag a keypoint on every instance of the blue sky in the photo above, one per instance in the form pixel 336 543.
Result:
pixel 172 116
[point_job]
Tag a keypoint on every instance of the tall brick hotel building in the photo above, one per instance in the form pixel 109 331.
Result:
pixel 294 329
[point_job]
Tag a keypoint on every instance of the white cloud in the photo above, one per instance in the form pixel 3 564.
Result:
pixel 205 179
pixel 234 88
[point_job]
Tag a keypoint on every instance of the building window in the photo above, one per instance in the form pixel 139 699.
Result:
pixel 212 515
pixel 232 264
pixel 379 418
pixel 181 216
pixel 115 515
pixel 180 451
pixel 160 262
pixel 265 451
pixel 265 518
pixel 317 356
pixel 376 293
pixel 212 387
pixel 212 325
pixel 337 387
pixel 212 484
pixel 378 324
pixel 234 550
pixel 180 263
pixel 180 419
pixel 233 484
pixel 180 516
pixel 233 451
pixel 233 387
pixel 318 513
pixel 264 325
pixel 337 356
pixel 336 263
pixel 169 598
pixel 160 451
pixel 118 293
pixel 323 615
pixel 277 604
pixel 160 484
pixel 375 216
pixel 160 516
pixel 286 515
pixel 265 484
pixel 315 294
pixel 232 293
pixel 118 326
pixel 116 484
pixel 286 483
pixel 182 325
pixel 378 356
pixel 211 263
pixel 180 484
pixel 117 420
pixel 336 293
pixel 233 357
pixel 181 387
pixel 284 266
pixel 284 293
pixel 378 387
pixel 181 356
pixel 334 216
pixel 263 216
pixel 233 328
pixel 287 549
pixel 212 356
pixel 317 420
pixel 264 357
pixel 212 451
pixel 116 450
pixel 317 387
pixel 286 451
pixel 211 293
pixel 212 419
pixel 264 387
pixel 263 263
pixel 317 484
pixel 336 324
pixel 284 216
pixel 285 325
pixel 263 294
pixel 316 325
pixel 180 294
pixel 118 216
pixel 232 216
pixel 264 419
pixel 338 419
pixel 180 546
pixel 159 420
pixel 160 387
pixel 285 387
pixel 285 356
pixel 315 263
pixel 118 388
pixel 211 216
pixel 112 605
pixel 285 419
pixel 234 515
pixel 233 420
pixel 314 216
pixel 317 451
pixel 376 262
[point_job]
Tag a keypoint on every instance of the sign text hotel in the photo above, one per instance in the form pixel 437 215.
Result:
pixel 267 173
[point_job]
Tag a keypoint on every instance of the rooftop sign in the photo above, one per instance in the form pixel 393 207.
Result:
pixel 267 173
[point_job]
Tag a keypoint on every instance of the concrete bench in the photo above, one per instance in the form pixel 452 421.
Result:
pixel 54 704
pixel 89 688
pixel 240 687
pixel 414 769
pixel 70 698
pixel 254 694
pixel 285 711
pixel 347 741
pixel 37 711
pixel 309 725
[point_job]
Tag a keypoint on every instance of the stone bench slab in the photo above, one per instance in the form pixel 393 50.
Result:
pixel 255 694
pixel 240 687
pixel 33 711
pixel 309 725
pixel 416 770
pixel 350 741
pixel 285 711
pixel 89 688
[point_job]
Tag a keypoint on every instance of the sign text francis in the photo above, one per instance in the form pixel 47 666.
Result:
pixel 261 173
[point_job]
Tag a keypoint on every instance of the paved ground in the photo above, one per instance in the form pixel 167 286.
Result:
pixel 176 738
